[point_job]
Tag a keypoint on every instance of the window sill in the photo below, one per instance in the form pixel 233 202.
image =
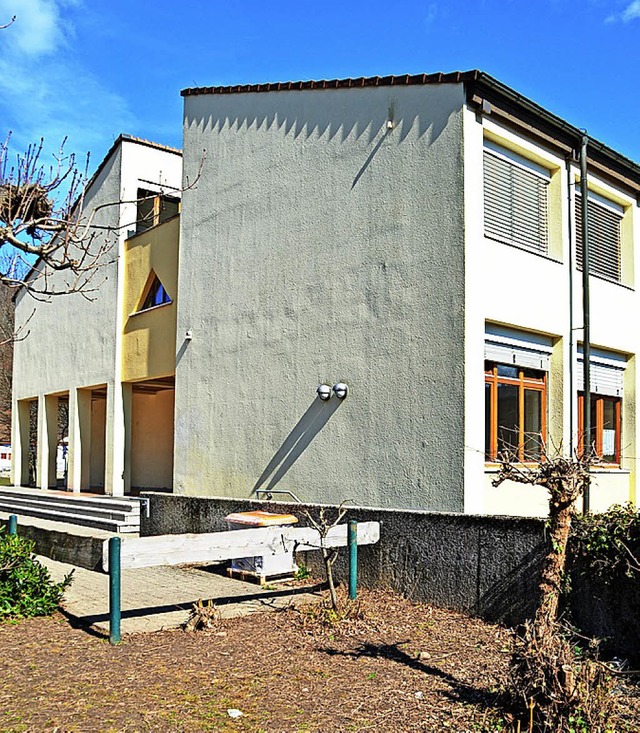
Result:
pixel 495 467
pixel 543 255
pixel 612 468
pixel 606 279
pixel 148 310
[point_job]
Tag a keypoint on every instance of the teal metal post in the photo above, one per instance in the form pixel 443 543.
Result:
pixel 114 590
pixel 13 524
pixel 352 539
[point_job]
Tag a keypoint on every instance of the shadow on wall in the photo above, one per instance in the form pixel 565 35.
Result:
pixel 309 425
pixel 316 113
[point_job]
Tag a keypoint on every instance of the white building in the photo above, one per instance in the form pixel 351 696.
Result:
pixel 413 237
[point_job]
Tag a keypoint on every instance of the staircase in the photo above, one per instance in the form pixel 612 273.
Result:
pixel 114 514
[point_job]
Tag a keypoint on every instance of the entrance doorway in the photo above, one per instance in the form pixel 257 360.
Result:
pixel 152 421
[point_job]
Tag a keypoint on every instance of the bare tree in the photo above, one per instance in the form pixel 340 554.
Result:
pixel 46 226
pixel 565 480
pixel 323 523
pixel 6 361
pixel 43 217
pixel 551 680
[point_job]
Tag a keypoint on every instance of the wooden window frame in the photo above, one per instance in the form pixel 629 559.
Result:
pixel 537 384
pixel 598 400
pixel 152 279
pixel 158 201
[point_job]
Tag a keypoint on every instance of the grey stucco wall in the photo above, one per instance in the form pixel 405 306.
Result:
pixel 486 566
pixel 71 340
pixel 319 247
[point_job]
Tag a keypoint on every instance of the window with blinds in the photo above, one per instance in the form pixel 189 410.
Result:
pixel 604 237
pixel 516 194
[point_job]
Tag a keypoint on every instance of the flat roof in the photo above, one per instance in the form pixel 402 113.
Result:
pixel 453 77
pixel 511 106
pixel 124 137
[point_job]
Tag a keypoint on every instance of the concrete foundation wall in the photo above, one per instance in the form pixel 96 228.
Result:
pixel 323 247
pixel 81 548
pixel 485 566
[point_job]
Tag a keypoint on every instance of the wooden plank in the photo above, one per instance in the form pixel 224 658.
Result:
pixel 199 549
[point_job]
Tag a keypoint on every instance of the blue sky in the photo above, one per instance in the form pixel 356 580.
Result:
pixel 90 69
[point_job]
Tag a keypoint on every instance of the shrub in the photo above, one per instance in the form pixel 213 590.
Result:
pixel 26 588
pixel 607 544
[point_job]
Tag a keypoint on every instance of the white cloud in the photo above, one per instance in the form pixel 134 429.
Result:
pixel 631 12
pixel 432 12
pixel 45 91
pixel 38 29
pixel 61 101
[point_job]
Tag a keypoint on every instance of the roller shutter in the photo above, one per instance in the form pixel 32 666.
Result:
pixel 604 238
pixel 515 202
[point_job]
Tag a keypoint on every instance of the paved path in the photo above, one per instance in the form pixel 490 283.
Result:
pixel 161 597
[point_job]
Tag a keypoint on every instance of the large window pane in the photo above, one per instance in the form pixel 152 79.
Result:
pixel 487 422
pixel 594 425
pixel 532 424
pixel 510 372
pixel 508 418
pixel 609 431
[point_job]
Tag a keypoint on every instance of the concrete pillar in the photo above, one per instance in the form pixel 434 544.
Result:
pixel 115 441
pixel 51 406
pixel 127 404
pixel 79 439
pixel 20 443
pixel 47 441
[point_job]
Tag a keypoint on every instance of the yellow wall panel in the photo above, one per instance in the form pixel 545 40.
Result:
pixel 149 337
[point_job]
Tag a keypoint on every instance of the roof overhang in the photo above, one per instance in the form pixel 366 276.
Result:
pixel 487 96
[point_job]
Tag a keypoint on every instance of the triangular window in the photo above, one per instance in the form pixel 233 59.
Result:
pixel 153 294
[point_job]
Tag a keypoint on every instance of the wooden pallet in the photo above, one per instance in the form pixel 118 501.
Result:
pixel 252 577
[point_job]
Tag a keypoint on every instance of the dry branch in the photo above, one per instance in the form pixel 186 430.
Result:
pixel 323 524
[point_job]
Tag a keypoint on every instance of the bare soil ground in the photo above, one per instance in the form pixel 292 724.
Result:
pixel 393 665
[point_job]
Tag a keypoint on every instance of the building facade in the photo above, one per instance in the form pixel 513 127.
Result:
pixel 75 357
pixel 416 238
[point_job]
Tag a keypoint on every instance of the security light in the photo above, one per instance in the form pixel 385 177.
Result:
pixel 324 392
pixel 340 390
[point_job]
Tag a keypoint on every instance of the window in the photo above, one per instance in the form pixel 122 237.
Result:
pixel 515 377
pixel 153 294
pixel 605 220
pixel 515 411
pixel 607 391
pixel 154 208
pixel 516 195
pixel 605 427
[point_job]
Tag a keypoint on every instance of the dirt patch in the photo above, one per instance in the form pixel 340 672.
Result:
pixel 393 666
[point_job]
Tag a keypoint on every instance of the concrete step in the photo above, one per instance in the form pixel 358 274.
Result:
pixel 105 513
pixel 124 504
pixel 82 520
pixel 18 503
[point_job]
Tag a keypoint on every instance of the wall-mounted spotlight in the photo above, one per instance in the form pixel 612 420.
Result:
pixel 340 390
pixel 323 392
pixel 188 335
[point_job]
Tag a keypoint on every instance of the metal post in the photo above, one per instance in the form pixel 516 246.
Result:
pixel 13 524
pixel 586 315
pixel 352 539
pixel 114 590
